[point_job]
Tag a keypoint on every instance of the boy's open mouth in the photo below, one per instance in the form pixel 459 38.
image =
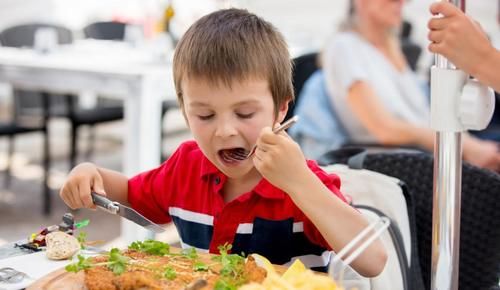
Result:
pixel 232 155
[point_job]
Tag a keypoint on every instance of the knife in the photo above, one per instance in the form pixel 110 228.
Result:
pixel 125 212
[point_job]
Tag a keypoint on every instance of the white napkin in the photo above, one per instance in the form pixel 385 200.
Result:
pixel 35 265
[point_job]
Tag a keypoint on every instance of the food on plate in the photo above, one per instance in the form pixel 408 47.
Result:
pixel 296 277
pixel 152 265
pixel 61 246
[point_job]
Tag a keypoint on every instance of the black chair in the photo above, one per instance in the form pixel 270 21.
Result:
pixel 108 30
pixel 24 35
pixel 480 215
pixel 303 67
pixel 105 30
pixel 20 125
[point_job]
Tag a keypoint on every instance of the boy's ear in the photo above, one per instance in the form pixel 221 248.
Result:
pixel 283 109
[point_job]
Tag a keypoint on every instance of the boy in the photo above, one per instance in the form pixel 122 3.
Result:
pixel 232 74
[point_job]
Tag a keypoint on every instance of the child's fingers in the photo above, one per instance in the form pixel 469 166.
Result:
pixel 98 184
pixel 97 187
pixel 266 135
pixel 285 134
pixel 86 199
pixel 68 195
pixel 65 197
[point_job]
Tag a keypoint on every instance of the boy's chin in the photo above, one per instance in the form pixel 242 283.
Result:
pixel 236 171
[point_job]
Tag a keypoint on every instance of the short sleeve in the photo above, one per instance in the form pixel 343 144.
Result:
pixel 343 62
pixel 151 192
pixel 331 181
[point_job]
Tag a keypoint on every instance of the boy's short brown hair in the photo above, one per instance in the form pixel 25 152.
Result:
pixel 234 45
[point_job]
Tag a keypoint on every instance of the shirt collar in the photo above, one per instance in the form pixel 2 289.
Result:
pixel 265 189
pixel 207 168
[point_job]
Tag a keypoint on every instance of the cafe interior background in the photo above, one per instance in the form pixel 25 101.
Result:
pixel 307 25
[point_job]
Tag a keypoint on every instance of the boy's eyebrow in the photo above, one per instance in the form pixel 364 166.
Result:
pixel 246 102
pixel 201 104
pixel 198 104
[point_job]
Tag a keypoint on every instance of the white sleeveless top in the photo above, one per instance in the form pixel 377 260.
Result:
pixel 350 58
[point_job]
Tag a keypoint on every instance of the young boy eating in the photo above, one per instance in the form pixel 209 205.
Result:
pixel 232 74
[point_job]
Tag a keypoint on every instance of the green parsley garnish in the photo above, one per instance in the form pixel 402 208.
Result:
pixel 82 238
pixel 151 247
pixel 224 285
pixel 82 264
pixel 232 268
pixel 117 262
pixel 169 273
pixel 200 266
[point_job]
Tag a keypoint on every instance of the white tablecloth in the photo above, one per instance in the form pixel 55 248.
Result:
pixel 35 265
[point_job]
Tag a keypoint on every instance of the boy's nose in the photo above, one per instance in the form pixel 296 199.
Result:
pixel 225 129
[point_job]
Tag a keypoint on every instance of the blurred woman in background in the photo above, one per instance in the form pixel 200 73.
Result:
pixel 376 96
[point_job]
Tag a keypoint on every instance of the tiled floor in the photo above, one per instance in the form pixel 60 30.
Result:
pixel 21 203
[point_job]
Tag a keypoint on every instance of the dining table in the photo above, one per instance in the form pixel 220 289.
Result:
pixel 142 78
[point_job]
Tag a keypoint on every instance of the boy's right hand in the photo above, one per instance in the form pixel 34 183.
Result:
pixel 82 180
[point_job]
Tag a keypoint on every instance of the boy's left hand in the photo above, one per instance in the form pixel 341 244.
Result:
pixel 279 159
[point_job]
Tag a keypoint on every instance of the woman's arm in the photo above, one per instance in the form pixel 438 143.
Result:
pixel 387 129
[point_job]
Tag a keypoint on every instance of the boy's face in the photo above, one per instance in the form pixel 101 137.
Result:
pixel 223 118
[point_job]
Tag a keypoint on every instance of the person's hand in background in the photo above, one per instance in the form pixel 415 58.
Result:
pixel 460 39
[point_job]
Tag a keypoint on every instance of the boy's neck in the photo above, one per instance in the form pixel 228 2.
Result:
pixel 234 188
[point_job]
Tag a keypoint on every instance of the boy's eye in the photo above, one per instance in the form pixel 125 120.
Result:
pixel 205 117
pixel 245 116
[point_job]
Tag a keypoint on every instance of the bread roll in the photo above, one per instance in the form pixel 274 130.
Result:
pixel 61 246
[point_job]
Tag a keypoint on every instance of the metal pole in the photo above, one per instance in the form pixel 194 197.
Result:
pixel 446 200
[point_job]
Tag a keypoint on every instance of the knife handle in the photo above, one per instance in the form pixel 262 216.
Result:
pixel 105 203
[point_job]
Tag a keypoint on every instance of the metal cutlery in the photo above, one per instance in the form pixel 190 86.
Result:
pixel 117 208
pixel 242 154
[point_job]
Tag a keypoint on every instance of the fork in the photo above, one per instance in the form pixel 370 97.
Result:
pixel 242 154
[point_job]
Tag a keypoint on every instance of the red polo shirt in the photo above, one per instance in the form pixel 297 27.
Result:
pixel 186 189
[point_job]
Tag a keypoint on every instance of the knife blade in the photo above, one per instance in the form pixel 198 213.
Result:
pixel 117 208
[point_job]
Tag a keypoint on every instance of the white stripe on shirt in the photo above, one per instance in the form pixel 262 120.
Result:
pixel 191 216
pixel 187 246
